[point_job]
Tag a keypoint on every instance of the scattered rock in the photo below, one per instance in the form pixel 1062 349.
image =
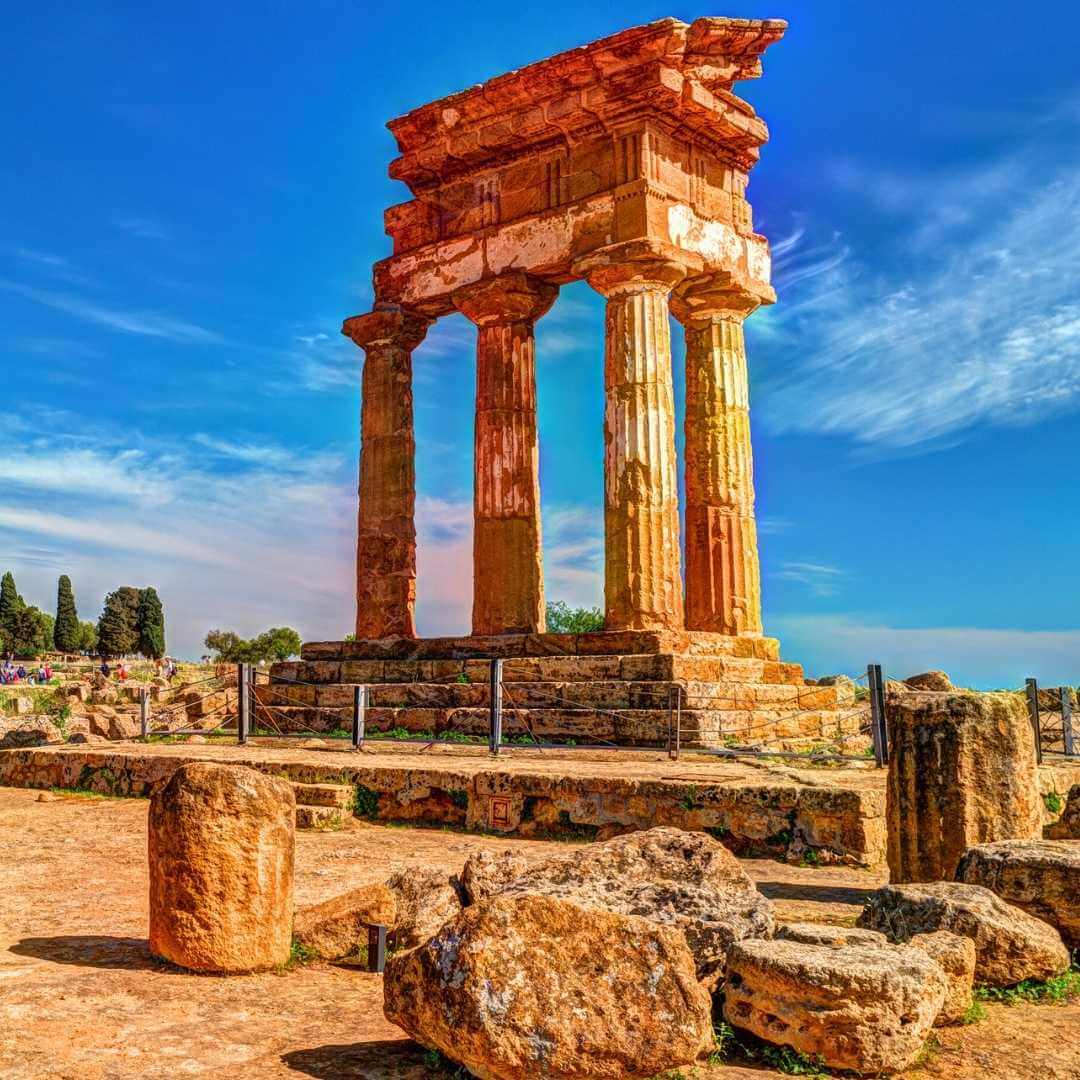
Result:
pixel 337 928
pixel 683 879
pixel 821 934
pixel 962 771
pixel 1067 827
pixel 86 738
pixel 1010 945
pixel 930 680
pixel 19 731
pixel 426 900
pixel 47 796
pixel 486 874
pixel 867 1008
pixel 956 957
pixel 521 987
pixel 1040 876
pixel 197 740
pixel 221 869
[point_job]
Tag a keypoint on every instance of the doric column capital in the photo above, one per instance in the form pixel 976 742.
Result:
pixel 634 265
pixel 508 298
pixel 717 295
pixel 387 326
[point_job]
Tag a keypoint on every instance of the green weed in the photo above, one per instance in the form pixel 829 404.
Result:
pixel 1054 802
pixel 1056 991
pixel 366 804
pixel 975 1014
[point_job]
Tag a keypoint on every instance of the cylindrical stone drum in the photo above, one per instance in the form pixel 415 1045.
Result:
pixel 220 843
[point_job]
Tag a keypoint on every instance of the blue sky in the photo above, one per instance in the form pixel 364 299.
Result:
pixel 191 202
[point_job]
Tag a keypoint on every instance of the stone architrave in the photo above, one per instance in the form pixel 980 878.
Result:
pixel 220 847
pixel 386 541
pixel 962 771
pixel 723 575
pixel 508 578
pixel 642 574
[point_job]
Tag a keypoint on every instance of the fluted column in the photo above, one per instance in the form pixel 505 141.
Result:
pixel 508 574
pixel 386 533
pixel 723 577
pixel 642 579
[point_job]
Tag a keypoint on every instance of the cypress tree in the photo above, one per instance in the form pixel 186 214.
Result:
pixel 66 629
pixel 11 603
pixel 150 623
pixel 117 631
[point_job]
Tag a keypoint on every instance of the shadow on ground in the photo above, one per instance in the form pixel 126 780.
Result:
pixel 91 950
pixel 387 1059
pixel 824 894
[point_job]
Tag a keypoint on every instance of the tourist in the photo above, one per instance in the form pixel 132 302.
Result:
pixel 121 671
pixel 48 672
pixel 20 674
pixel 104 669
pixel 44 674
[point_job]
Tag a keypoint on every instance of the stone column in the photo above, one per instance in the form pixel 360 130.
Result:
pixel 642 578
pixel 723 576
pixel 386 541
pixel 508 575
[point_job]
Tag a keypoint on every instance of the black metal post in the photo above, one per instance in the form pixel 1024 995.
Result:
pixel 243 711
pixel 495 729
pixel 359 716
pixel 144 712
pixel 1066 721
pixel 674 721
pixel 878 727
pixel 1033 712
pixel 376 949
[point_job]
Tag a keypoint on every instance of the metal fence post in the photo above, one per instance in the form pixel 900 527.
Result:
pixel 1066 720
pixel 495 729
pixel 243 713
pixel 376 948
pixel 878 727
pixel 1033 712
pixel 144 712
pixel 674 721
pixel 359 716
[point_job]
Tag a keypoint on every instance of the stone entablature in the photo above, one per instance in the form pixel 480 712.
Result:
pixel 623 163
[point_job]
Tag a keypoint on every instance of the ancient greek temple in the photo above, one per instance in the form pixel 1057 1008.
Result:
pixel 623 163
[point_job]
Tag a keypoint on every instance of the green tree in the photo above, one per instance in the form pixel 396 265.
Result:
pixel 87 637
pixel 29 633
pixel 66 628
pixel 277 643
pixel 150 624
pixel 11 603
pixel 117 629
pixel 563 619
pixel 224 644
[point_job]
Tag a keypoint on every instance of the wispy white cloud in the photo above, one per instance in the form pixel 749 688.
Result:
pixel 820 579
pixel 144 228
pixel 147 323
pixel 51 265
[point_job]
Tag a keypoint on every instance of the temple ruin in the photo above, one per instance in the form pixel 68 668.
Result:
pixel 623 163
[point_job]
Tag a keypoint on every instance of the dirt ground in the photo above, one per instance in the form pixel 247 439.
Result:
pixel 80 996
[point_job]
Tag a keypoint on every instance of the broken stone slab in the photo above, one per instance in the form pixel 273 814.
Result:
pixel 529 986
pixel 683 879
pixel 962 771
pixel 1010 944
pixel 956 956
pixel 866 1007
pixel 822 934
pixel 220 846
pixel 27 731
pixel 930 680
pixel 1040 876
pixel 425 900
pixel 486 873
pixel 338 927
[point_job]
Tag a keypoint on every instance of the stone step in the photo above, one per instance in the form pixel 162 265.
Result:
pixel 601 643
pixel 630 668
pixel 334 795
pixel 704 727
pixel 327 818
pixel 610 694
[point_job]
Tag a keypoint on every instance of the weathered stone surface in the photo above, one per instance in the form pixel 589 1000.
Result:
pixel 338 927
pixel 822 934
pixel 486 874
pixel 1040 876
pixel 955 955
pixel 425 901
pixel 962 771
pixel 930 680
pixel 529 986
pixel 1067 827
pixel 1010 945
pixel 220 845
pixel 16 731
pixel 867 1008
pixel 681 879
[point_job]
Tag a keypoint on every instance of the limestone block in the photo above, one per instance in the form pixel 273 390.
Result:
pixel 962 771
pixel 867 1008
pixel 822 934
pixel 425 900
pixel 530 986
pixel 1067 827
pixel 955 955
pixel 1040 876
pixel 1010 945
pixel 338 927
pixel 930 680
pixel 220 845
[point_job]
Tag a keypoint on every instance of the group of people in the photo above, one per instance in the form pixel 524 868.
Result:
pixel 10 674
pixel 164 668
